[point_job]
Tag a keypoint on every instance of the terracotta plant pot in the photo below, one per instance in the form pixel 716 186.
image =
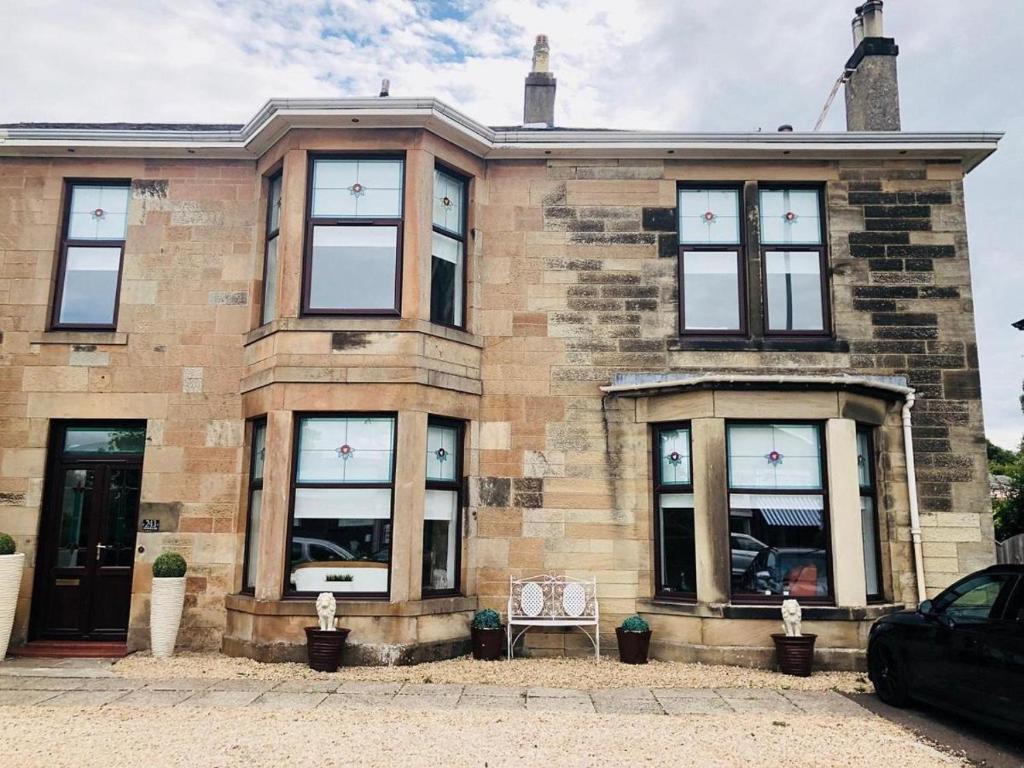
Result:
pixel 488 644
pixel 633 646
pixel 324 647
pixel 795 654
pixel 11 567
pixel 165 606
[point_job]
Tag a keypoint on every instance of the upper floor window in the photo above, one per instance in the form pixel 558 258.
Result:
pixel 711 265
pixel 793 257
pixel 778 521
pixel 353 261
pixel 91 255
pixel 448 250
pixel 676 566
pixel 270 263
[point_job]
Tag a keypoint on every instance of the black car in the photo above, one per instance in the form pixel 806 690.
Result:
pixel 962 651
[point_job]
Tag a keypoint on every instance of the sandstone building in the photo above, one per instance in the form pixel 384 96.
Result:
pixel 374 347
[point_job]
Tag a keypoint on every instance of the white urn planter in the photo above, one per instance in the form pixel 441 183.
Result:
pixel 165 606
pixel 11 567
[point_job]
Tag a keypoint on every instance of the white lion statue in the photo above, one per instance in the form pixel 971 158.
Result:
pixel 791 615
pixel 326 606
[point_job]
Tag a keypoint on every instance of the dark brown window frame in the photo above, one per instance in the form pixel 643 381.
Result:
pixel 660 489
pixel 457 485
pixel 741 264
pixel 271 235
pixel 871 491
pixel 465 180
pixel 66 242
pixel 821 248
pixel 298 417
pixel 751 599
pixel 254 485
pixel 325 221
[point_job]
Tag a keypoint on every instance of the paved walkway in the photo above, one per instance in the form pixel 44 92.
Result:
pixel 55 688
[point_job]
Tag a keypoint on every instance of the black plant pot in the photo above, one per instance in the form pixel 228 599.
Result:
pixel 633 646
pixel 324 647
pixel 488 644
pixel 795 654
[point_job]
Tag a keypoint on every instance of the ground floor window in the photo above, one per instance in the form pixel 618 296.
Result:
pixel 252 536
pixel 869 514
pixel 676 567
pixel 342 504
pixel 442 510
pixel 778 516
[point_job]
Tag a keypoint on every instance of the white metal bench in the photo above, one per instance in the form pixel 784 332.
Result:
pixel 552 601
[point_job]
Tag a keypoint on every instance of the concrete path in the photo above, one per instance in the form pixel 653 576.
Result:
pixel 96 687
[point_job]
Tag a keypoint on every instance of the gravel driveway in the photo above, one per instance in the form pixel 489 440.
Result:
pixel 207 710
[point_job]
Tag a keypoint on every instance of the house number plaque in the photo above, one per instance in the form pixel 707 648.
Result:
pixel 150 525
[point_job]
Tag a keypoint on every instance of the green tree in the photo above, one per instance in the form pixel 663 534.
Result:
pixel 1008 506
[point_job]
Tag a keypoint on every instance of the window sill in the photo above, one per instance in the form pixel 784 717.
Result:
pixel 775 344
pixel 106 338
pixel 362 325
pixel 755 612
pixel 306 606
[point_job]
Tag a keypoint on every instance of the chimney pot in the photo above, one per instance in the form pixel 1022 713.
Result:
pixel 539 95
pixel 385 88
pixel 871 12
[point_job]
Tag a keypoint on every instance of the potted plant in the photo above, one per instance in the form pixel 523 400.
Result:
pixel 167 600
pixel 487 634
pixel 325 642
pixel 794 651
pixel 634 636
pixel 11 565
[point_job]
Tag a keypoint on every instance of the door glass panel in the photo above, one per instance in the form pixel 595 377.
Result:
pixel 118 534
pixel 76 502
pixel 104 439
pixel 973 600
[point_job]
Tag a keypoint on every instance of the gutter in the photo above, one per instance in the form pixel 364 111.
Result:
pixel 915 514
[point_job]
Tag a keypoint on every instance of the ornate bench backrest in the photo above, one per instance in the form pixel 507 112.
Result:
pixel 552 597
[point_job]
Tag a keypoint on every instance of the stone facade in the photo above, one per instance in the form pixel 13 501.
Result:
pixel 572 276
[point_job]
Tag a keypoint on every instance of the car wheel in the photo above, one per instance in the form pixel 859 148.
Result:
pixel 888 676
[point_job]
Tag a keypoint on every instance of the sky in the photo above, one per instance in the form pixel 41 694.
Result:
pixel 686 65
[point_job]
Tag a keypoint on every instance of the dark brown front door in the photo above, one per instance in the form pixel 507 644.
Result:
pixel 87 541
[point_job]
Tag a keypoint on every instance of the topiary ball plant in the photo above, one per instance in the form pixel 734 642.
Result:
pixel 635 624
pixel 169 565
pixel 487 619
pixel 6 544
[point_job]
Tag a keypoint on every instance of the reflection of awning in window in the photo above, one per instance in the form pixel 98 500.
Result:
pixel 795 518
pixel 779 509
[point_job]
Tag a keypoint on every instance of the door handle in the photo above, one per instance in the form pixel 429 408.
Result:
pixel 99 550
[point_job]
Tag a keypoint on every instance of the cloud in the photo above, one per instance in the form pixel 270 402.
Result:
pixel 717 65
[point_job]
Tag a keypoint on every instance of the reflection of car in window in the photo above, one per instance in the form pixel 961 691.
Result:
pixel 744 550
pixel 317 550
pixel 792 572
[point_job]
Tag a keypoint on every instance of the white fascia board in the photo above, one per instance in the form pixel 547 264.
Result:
pixel 279 116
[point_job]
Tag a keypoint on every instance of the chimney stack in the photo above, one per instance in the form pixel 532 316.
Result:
pixel 539 99
pixel 872 91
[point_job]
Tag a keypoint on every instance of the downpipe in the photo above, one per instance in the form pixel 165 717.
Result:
pixel 915 513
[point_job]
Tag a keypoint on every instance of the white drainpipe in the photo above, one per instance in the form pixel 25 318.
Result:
pixel 915 515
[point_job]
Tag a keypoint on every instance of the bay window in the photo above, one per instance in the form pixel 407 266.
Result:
pixel 448 250
pixel 711 261
pixel 676 563
pixel 869 514
pixel 354 240
pixel 91 255
pixel 270 264
pixel 342 504
pixel 793 256
pixel 252 533
pixel 778 515
pixel 442 514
